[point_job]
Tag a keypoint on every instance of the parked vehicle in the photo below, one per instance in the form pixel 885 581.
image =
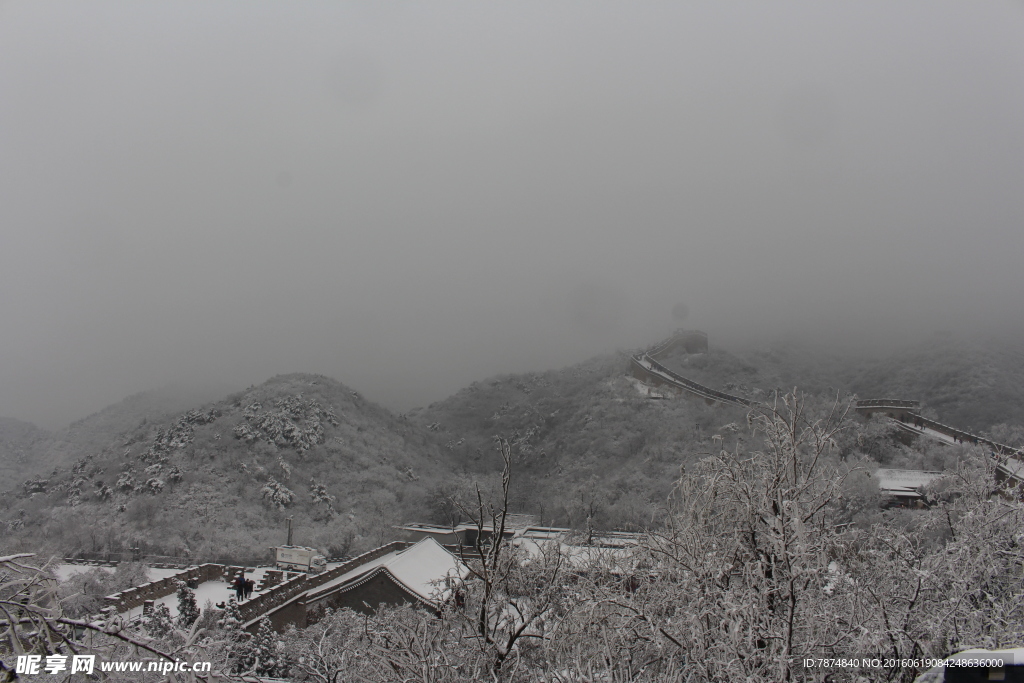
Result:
pixel 299 558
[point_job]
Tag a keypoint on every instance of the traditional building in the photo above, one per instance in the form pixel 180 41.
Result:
pixel 1010 475
pixel 905 486
pixel 423 574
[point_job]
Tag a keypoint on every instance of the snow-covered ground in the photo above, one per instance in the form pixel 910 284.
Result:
pixel 215 592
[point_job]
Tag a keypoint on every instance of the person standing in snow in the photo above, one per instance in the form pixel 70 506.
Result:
pixel 240 587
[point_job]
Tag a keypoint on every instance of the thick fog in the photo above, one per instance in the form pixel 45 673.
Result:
pixel 409 196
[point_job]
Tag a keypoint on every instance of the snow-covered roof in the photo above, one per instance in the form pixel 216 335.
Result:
pixel 599 539
pixel 442 530
pixel 351 575
pixel 430 528
pixel 1013 467
pixel 424 567
pixel 577 556
pixel 543 532
pixel 904 482
pixel 421 569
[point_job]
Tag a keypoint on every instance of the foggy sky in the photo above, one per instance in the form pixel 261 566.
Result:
pixel 410 196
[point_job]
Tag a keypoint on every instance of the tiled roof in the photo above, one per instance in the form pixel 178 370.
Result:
pixel 420 569
pixel 904 482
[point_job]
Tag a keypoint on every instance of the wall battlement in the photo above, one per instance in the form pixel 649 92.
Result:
pixel 646 368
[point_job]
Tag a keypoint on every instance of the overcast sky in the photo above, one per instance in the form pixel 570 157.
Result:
pixel 409 196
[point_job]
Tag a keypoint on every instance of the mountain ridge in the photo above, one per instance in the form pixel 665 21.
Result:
pixel 218 480
pixel 591 447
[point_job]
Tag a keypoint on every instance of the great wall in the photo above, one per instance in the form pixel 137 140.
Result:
pixel 904 413
pixel 647 369
pixel 280 593
pixel 283 596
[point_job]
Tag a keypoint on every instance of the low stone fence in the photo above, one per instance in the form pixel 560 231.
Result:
pixel 135 597
pixel 865 405
pixel 273 598
pixel 271 578
pixel 355 562
pixel 277 589
pixel 911 419
pixel 117 557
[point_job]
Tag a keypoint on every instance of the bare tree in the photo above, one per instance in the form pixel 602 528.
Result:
pixel 755 568
pixel 509 593
pixel 746 548
pixel 32 622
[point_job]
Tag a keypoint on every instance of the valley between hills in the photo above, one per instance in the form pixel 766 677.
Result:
pixel 592 447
